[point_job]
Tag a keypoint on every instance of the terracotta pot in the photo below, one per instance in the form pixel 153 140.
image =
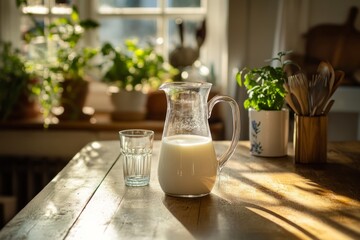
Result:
pixel 73 100
pixel 269 132
pixel 156 106
pixel 25 107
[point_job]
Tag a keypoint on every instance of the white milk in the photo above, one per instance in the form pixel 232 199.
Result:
pixel 187 165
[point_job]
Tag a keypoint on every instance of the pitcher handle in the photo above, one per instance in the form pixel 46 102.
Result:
pixel 236 126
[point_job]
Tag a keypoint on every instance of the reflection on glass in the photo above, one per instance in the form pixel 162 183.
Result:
pixel 35 2
pixel 115 30
pixel 183 3
pixel 127 3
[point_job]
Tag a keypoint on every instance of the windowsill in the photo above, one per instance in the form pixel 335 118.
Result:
pixel 28 137
pixel 99 122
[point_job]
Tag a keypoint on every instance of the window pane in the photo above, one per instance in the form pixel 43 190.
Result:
pixel 127 3
pixel 36 48
pixel 184 3
pixel 35 2
pixel 28 27
pixel 116 30
pixel 185 55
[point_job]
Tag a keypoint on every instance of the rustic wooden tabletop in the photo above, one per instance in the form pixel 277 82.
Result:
pixel 254 198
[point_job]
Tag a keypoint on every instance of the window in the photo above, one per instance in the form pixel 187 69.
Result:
pixel 147 20
pixel 150 20
pixel 161 14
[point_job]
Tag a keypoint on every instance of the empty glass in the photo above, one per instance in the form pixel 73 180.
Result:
pixel 135 152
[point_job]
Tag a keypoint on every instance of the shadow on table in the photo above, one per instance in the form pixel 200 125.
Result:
pixel 339 171
pixel 212 217
pixel 336 181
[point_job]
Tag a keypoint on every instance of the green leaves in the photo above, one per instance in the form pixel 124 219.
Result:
pixel 265 85
pixel 72 59
pixel 136 66
pixel 19 3
pixel 14 78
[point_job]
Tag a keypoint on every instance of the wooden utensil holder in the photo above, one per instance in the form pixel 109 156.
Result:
pixel 310 139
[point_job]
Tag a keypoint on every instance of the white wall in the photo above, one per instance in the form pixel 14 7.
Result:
pixel 9 16
pixel 251 34
pixel 251 25
pixel 261 22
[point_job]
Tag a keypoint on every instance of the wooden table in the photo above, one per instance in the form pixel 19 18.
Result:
pixel 254 198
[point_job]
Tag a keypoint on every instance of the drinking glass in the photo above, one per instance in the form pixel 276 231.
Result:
pixel 135 152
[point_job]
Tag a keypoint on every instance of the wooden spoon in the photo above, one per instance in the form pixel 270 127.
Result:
pixel 323 89
pixel 303 86
pixel 289 100
pixel 328 106
pixel 327 71
pixel 339 76
pixel 295 90
pixel 319 94
pixel 296 104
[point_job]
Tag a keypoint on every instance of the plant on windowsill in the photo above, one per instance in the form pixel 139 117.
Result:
pixel 17 99
pixel 64 73
pixel 72 63
pixel 131 73
pixel 268 118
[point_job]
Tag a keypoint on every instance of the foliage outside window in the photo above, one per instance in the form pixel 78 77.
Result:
pixel 135 67
pixel 147 20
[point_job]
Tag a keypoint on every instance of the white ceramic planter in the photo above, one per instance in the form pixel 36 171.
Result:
pixel 269 132
pixel 128 105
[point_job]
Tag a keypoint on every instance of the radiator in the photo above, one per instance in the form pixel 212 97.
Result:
pixel 21 178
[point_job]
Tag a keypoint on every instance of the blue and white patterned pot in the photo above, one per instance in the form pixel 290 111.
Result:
pixel 269 132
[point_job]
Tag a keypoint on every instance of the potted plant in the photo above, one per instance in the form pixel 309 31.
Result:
pixel 16 85
pixel 64 72
pixel 131 74
pixel 72 66
pixel 72 62
pixel 268 118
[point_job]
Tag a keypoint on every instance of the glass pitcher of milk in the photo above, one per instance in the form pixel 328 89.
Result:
pixel 188 164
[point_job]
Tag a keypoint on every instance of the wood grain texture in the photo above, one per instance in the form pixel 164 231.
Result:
pixel 310 139
pixel 254 198
pixel 55 209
